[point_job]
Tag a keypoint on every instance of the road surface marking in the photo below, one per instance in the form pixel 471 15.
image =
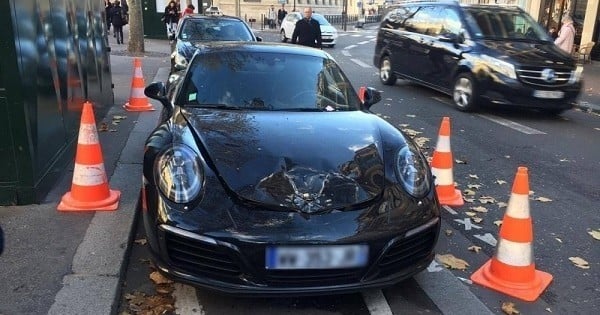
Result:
pixel 488 238
pixel 467 223
pixel 434 267
pixel 360 63
pixel 186 301
pixel 350 47
pixel 363 42
pixel 346 53
pixel 376 302
pixel 450 210
pixel 513 125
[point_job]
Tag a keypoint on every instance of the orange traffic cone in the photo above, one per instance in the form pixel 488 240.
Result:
pixel 512 269
pixel 441 167
pixel 138 102
pixel 89 188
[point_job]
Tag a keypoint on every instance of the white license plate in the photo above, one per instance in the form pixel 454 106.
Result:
pixel 316 257
pixel 548 94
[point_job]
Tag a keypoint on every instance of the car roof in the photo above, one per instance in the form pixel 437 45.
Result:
pixel 210 17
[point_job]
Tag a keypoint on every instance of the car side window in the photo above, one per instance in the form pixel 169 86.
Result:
pixel 397 17
pixel 451 23
pixel 425 21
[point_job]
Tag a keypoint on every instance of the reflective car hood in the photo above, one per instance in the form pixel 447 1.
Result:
pixel 308 162
pixel 328 29
pixel 529 53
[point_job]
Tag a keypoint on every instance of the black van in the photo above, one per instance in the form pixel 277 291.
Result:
pixel 477 54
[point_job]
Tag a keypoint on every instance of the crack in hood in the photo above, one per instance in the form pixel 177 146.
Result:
pixel 301 161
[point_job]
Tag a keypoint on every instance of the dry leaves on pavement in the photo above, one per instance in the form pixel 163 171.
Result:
pixel 469 192
pixel 470 213
pixel 474 186
pixel 140 303
pixel 542 199
pixel 500 182
pixel 158 278
pixel 479 209
pixel 103 127
pixel 509 308
pixel 469 199
pixel 502 204
pixel 451 262
pixel 487 199
pixel 474 248
pixel 498 222
pixel 460 161
pixel 141 241
pixel 448 232
pixel 473 176
pixel 477 219
pixel 580 262
pixel 595 234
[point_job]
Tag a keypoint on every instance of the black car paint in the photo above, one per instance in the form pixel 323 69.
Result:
pixel 239 150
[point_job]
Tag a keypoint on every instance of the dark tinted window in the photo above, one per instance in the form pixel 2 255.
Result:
pixel 267 81
pixel 214 30
pixel 425 21
pixel 505 24
pixel 395 18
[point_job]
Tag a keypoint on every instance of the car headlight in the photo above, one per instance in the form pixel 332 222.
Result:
pixel 412 171
pixel 576 75
pixel 179 174
pixel 500 66
pixel 180 60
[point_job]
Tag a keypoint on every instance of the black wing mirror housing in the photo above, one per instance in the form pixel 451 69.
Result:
pixel 369 96
pixel 158 91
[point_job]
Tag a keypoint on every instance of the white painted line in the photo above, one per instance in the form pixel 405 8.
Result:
pixel 346 53
pixel 434 267
pixel 450 210
pixel 363 42
pixel 360 63
pixel 350 47
pixel 513 125
pixel 186 301
pixel 467 223
pixel 376 302
pixel 357 35
pixel 488 238
pixel 443 100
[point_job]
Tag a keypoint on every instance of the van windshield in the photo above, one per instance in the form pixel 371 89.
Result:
pixel 504 25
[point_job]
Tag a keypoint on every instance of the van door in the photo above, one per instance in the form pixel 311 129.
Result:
pixel 394 36
pixel 422 60
pixel 446 49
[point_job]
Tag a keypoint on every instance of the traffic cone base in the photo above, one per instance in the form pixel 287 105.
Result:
pixel 138 108
pixel 527 291
pixel 454 199
pixel 68 203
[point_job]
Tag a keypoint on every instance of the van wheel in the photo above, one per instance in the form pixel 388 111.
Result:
pixel 386 75
pixel 464 93
pixel 282 36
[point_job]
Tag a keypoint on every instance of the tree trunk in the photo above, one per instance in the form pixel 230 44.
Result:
pixel 136 28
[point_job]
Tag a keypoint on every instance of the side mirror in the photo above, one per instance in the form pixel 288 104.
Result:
pixel 158 91
pixel 259 39
pixel 369 96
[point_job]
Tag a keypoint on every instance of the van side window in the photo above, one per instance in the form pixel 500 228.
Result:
pixel 451 23
pixel 425 21
pixel 396 18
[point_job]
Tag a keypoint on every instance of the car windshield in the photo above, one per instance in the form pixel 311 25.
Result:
pixel 504 24
pixel 211 29
pixel 267 81
pixel 321 19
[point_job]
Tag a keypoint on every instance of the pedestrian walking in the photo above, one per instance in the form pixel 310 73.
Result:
pixel 171 18
pixel 566 35
pixel 107 13
pixel 189 10
pixel 281 13
pixel 307 31
pixel 118 19
pixel 271 17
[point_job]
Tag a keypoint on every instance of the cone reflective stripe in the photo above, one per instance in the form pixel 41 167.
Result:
pixel 138 102
pixel 89 188
pixel 441 167
pixel 512 269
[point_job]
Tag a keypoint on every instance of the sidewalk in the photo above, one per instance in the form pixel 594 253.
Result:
pixel 589 99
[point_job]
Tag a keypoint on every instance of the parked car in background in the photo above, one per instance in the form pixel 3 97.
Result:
pixel 478 54
pixel 329 34
pixel 262 183
pixel 195 30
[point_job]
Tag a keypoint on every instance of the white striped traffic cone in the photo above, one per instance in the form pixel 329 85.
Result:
pixel 441 167
pixel 89 188
pixel 138 102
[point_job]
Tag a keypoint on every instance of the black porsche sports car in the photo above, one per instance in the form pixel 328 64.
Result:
pixel 269 175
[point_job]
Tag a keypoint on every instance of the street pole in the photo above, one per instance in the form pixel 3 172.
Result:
pixel 294 6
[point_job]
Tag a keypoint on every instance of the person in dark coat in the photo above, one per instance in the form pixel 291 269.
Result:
pixel 307 31
pixel 108 12
pixel 171 18
pixel 117 21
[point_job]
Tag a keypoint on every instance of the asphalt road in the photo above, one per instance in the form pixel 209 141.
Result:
pixel 562 155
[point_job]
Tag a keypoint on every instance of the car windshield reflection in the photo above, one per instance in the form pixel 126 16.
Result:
pixel 214 30
pixel 267 81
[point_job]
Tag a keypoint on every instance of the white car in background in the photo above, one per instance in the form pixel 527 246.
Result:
pixel 328 32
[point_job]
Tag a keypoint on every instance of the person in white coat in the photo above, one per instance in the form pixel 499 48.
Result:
pixel 566 35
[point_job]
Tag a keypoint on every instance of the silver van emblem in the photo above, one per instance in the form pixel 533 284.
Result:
pixel 549 75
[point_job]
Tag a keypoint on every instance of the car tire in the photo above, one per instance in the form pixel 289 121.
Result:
pixel 282 36
pixel 386 74
pixel 464 92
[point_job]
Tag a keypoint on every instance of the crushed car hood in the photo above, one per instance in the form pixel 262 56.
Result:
pixel 307 162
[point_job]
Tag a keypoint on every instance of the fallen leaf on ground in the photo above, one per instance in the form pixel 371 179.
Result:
pixel 470 213
pixel 474 186
pixel 103 127
pixel 158 278
pixel 477 219
pixel 165 289
pixel 580 262
pixel 141 241
pixel 487 199
pixel 410 132
pixel 411 116
pixel 479 209
pixel 448 232
pixel 498 222
pixel 548 310
pixel 509 308
pixel 469 192
pixel 597 129
pixel 563 160
pixel 404 125
pixel 595 234
pixel 502 204
pixel 386 117
pixel 117 117
pixel 474 248
pixel 531 192
pixel 507 156
pixel 449 261
pixel 468 199
pixel 558 240
pixel 421 141
pixel 500 182
pixel 460 162
pixel 543 199
pixel 473 176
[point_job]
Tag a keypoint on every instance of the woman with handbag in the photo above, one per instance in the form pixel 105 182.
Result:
pixel 171 18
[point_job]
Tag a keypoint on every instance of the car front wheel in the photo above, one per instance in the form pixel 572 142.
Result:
pixel 282 36
pixel 386 75
pixel 464 93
